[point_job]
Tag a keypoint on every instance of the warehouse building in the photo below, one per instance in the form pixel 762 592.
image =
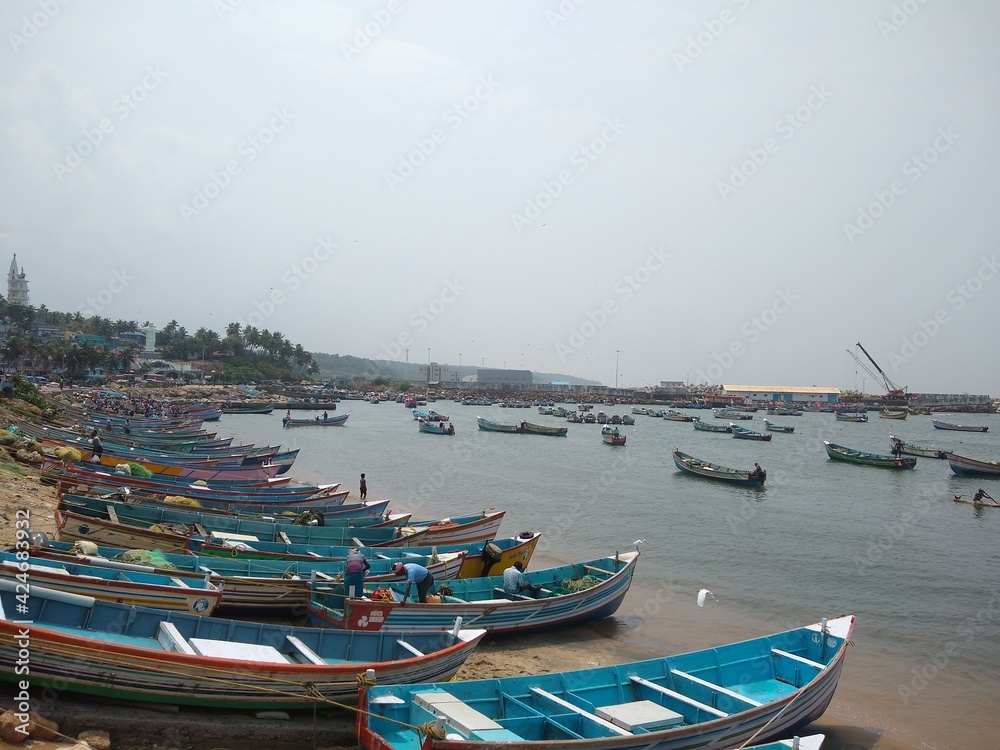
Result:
pixel 790 393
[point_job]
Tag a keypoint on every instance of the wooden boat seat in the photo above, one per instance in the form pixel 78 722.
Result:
pixel 641 716
pixel 299 649
pixel 801 659
pixel 716 688
pixel 461 716
pixel 562 703
pixel 602 571
pixel 171 639
pixel 678 697
pixel 237 650
pixel 412 649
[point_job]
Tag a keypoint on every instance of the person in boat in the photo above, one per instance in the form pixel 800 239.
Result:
pixel 415 574
pixel 354 573
pixel 980 496
pixel 96 447
pixel 364 487
pixel 324 415
pixel 897 448
pixel 451 429
pixel 514 581
pixel 758 473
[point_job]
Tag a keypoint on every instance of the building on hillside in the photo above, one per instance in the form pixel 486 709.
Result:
pixel 17 284
pixel 47 332
pixel 790 393
pixel 89 338
pixel 435 374
pixel 488 376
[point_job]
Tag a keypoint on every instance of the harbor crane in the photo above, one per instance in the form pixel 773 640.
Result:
pixel 891 388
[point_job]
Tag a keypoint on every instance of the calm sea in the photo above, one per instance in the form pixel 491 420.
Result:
pixel 922 573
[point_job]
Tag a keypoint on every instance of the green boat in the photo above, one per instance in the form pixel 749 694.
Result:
pixel 840 453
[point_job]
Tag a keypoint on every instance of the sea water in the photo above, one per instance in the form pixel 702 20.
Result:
pixel 822 538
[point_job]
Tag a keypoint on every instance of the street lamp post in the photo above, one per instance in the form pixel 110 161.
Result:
pixel 617 352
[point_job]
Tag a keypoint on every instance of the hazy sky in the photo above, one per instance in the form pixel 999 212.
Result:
pixel 732 191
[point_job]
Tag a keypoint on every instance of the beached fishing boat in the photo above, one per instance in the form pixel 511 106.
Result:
pixel 708 427
pixel 846 416
pixel 957 427
pixel 887 414
pixel 690 465
pixel 199 596
pixel 83 645
pixel 612 435
pixel 965 465
pixel 727 696
pixel 915 450
pixel 335 421
pixel 773 427
pixel 491 426
pixel 436 428
pixel 842 453
pixel 569 594
pixel 742 433
pixel 539 429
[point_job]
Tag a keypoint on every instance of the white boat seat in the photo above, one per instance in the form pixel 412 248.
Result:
pixel 678 696
pixel 303 650
pixel 412 649
pixel 462 717
pixel 801 659
pixel 645 715
pixel 717 688
pixel 237 650
pixel 171 639
pixel 613 728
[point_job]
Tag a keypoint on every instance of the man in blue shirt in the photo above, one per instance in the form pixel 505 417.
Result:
pixel 417 574
pixel 514 581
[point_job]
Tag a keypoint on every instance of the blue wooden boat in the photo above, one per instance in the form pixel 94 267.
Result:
pixel 742 433
pixel 490 425
pixel 938 425
pixel 429 415
pixel 774 427
pixel 83 645
pixel 436 428
pixel 691 465
pixel 708 427
pixel 964 465
pixel 849 455
pixel 335 421
pixel 570 594
pixel 722 697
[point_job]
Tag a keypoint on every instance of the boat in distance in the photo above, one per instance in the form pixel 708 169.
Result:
pixel 691 465
pixel 568 595
pixel 938 425
pixel 539 429
pixel 742 433
pixel 862 458
pixel 722 697
pixel 613 436
pixel 335 421
pixel 843 416
pixel 915 450
pixel 775 427
pixel 889 414
pixel 709 427
pixel 965 465
pixel 490 425
pixel 84 645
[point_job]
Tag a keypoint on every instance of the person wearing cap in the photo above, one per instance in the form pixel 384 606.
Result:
pixel 417 574
pixel 354 573
pixel 514 581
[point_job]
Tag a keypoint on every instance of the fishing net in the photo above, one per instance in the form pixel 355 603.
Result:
pixel 71 454
pixel 153 558
pixel 138 470
pixel 572 585
pixel 181 500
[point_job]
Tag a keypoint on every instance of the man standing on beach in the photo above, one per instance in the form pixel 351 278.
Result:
pixel 364 487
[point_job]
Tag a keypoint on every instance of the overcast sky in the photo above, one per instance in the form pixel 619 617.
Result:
pixel 732 192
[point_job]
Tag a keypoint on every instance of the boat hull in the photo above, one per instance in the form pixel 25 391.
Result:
pixel 861 458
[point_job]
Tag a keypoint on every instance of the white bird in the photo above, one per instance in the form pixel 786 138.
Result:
pixel 704 594
pixel 637 542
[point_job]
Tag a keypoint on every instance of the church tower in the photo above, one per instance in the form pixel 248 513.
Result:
pixel 17 285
